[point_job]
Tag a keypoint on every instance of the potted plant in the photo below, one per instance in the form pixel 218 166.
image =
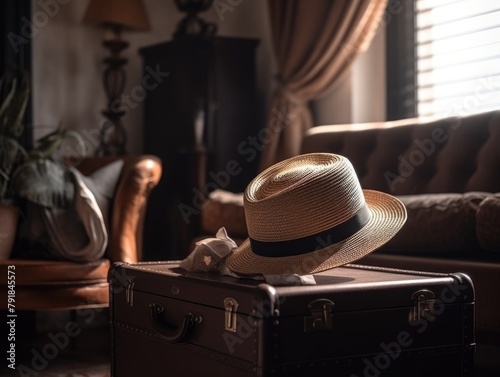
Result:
pixel 43 177
pixel 14 95
pixel 37 176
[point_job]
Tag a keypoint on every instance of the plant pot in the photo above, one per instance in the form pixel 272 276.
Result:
pixel 9 215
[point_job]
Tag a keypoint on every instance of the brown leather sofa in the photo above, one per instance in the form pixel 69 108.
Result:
pixel 49 285
pixel 446 171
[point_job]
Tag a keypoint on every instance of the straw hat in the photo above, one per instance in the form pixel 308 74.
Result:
pixel 308 214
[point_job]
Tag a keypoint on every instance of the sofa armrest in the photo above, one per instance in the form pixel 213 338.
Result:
pixel 139 176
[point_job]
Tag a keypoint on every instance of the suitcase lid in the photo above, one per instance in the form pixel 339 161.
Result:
pixel 348 288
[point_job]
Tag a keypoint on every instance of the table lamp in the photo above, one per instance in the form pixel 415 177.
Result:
pixel 115 16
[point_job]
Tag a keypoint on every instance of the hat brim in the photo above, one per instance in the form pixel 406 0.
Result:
pixel 388 215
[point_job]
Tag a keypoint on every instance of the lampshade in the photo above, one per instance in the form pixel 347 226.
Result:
pixel 129 14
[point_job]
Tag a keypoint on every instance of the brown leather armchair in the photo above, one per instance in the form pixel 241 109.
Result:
pixel 48 285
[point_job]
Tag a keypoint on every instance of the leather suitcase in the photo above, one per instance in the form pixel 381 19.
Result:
pixel 356 321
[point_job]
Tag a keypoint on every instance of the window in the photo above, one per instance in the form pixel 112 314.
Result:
pixel 443 58
pixel 458 56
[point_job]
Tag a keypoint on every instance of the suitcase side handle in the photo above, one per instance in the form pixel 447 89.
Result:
pixel 167 332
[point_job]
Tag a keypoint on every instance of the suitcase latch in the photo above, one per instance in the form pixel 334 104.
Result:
pixel 423 305
pixel 321 315
pixel 129 293
pixel 231 316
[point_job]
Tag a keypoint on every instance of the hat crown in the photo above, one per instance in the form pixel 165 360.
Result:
pixel 302 196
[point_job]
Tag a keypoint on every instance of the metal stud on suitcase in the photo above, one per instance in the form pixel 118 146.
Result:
pixel 356 321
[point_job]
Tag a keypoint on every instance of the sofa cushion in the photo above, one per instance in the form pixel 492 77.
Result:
pixel 438 224
pixel 79 232
pixel 102 183
pixel 42 272
pixel 57 285
pixel 488 223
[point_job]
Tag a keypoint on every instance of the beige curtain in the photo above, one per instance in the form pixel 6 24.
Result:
pixel 314 43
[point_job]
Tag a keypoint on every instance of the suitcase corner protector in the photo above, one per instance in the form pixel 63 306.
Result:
pixel 114 267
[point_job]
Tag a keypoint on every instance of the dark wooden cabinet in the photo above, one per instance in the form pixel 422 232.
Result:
pixel 209 82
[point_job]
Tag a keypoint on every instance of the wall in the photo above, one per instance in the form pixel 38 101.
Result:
pixel 359 96
pixel 67 60
pixel 67 66
pixel 368 82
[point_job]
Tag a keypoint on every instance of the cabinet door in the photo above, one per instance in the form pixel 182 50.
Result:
pixel 215 76
pixel 170 109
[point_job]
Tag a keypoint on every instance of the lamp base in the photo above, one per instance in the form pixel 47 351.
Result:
pixel 113 137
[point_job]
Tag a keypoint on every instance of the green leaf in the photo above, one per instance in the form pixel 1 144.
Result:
pixel 12 154
pixel 44 182
pixel 49 144
pixel 13 105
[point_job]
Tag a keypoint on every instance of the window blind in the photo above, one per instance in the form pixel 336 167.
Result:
pixel 458 56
